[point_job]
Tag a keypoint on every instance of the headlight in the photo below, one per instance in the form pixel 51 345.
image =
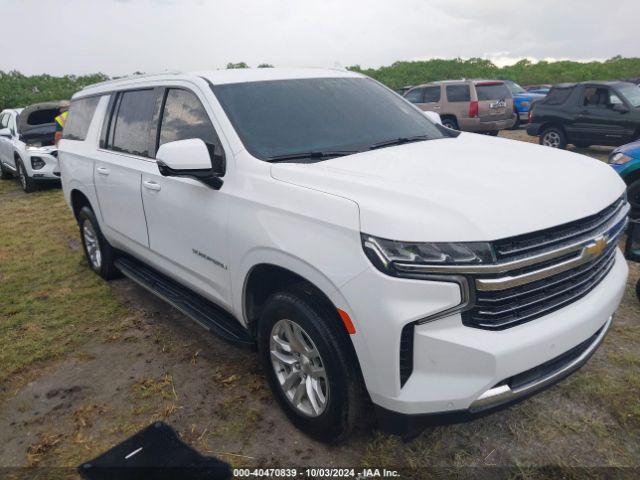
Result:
pixel 389 256
pixel 37 163
pixel 619 159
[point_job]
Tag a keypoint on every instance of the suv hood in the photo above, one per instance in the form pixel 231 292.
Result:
pixel 469 188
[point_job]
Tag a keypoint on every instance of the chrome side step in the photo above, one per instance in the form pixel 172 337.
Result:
pixel 201 310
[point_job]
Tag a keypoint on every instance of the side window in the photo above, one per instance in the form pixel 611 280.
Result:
pixel 415 96
pixel 432 94
pixel 80 115
pixel 184 117
pixel 4 120
pixel 458 93
pixel 614 99
pixel 132 122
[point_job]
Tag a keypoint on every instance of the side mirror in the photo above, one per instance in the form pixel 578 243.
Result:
pixel 191 158
pixel 632 247
pixel 621 108
pixel 5 133
pixel 433 116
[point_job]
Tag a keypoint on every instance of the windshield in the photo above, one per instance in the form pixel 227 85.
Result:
pixel 632 93
pixel 515 88
pixel 285 117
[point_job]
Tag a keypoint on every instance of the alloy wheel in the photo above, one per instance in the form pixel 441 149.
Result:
pixel 551 139
pixel 92 245
pixel 23 177
pixel 299 368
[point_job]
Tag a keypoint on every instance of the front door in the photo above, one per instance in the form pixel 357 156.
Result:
pixel 599 122
pixel 119 165
pixel 187 220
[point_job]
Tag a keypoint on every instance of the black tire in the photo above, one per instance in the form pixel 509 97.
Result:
pixel 450 122
pixel 27 183
pixel 553 137
pixel 105 266
pixel 493 133
pixel 517 123
pixel 633 195
pixel 345 394
pixel 4 173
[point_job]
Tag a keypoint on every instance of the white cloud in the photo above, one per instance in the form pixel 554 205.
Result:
pixel 122 36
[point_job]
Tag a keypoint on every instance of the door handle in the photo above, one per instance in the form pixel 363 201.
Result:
pixel 102 171
pixel 149 185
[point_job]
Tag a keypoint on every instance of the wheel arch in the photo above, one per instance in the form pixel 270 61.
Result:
pixel 78 200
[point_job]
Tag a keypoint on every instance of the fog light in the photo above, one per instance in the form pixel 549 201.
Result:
pixel 37 163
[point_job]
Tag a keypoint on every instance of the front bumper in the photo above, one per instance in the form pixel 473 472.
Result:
pixel 458 368
pixel 51 169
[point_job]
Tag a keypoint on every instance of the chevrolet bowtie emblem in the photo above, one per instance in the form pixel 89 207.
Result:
pixel 596 248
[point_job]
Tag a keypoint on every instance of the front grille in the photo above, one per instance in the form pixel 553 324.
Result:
pixel 532 243
pixel 507 307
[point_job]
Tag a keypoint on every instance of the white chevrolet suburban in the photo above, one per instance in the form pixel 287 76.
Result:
pixel 372 256
pixel 27 146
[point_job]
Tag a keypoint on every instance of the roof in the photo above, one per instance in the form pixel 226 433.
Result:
pixel 16 110
pixel 220 77
pixel 460 80
pixel 604 83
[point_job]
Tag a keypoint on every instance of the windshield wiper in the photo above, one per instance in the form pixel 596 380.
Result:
pixel 319 154
pixel 399 141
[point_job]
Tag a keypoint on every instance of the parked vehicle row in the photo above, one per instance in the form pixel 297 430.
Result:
pixel 371 254
pixel 484 106
pixel 27 144
pixel 522 100
pixel 626 161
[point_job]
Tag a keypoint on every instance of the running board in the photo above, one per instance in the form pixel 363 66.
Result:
pixel 202 311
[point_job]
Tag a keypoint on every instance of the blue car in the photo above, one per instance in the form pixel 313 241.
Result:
pixel 522 101
pixel 626 161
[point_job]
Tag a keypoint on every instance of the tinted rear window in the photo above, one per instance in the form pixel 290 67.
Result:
pixel 494 91
pixel 557 96
pixel 80 114
pixel 132 123
pixel 458 93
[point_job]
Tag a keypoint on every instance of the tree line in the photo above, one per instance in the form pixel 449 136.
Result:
pixel 18 90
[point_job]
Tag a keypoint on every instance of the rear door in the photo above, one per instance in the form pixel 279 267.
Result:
pixel 494 101
pixel 124 154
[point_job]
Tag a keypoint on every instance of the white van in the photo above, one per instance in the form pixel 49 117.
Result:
pixel 371 254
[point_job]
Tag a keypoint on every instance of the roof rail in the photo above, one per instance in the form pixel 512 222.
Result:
pixel 132 77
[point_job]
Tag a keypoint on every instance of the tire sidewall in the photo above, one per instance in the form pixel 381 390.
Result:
pixel 634 190
pixel 87 215
pixel 450 123
pixel 28 186
pixel 328 425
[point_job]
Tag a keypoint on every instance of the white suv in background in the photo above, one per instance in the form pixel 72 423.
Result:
pixel 27 149
pixel 371 254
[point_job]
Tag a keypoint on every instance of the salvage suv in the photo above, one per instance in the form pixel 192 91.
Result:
pixel 27 145
pixel 481 106
pixel 370 254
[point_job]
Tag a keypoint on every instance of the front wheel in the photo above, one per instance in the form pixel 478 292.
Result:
pixel 450 123
pixel 633 195
pixel 97 250
pixel 309 366
pixel 553 137
pixel 27 183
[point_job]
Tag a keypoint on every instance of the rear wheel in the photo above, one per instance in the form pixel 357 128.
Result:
pixel 97 250
pixel 553 137
pixel 309 365
pixel 27 183
pixel 450 122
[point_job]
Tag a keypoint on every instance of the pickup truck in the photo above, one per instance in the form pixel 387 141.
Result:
pixel 587 113
pixel 522 101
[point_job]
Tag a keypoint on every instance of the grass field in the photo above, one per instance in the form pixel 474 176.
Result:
pixel 85 363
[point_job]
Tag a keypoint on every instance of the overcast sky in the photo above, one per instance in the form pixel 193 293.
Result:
pixel 123 36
